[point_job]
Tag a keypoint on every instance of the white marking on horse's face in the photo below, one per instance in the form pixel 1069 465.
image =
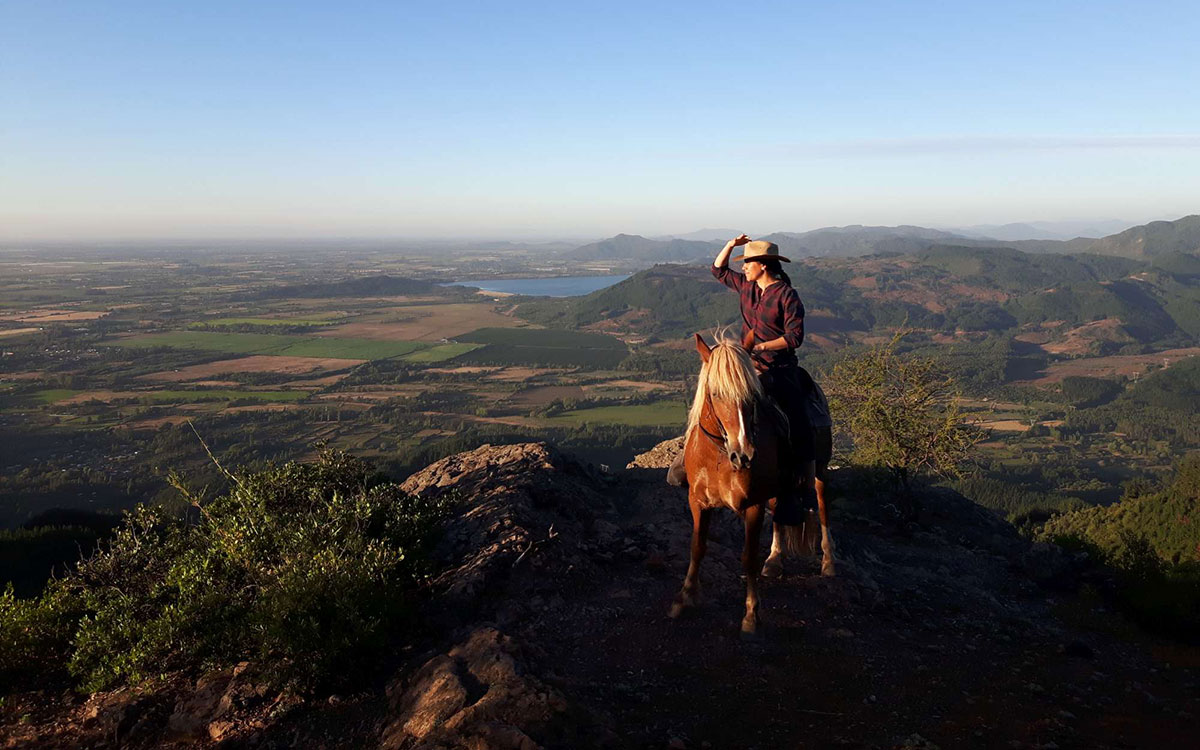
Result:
pixel 743 440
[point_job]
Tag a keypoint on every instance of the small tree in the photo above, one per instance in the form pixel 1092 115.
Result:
pixel 901 413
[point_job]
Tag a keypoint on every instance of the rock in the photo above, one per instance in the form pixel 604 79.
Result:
pixel 916 742
pixel 219 730
pixel 117 712
pixel 216 697
pixel 476 695
pixel 658 457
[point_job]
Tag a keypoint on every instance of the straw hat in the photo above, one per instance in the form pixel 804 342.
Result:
pixel 760 250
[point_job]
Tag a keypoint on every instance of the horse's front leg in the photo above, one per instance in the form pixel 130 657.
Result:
pixel 827 566
pixel 689 595
pixel 750 563
pixel 773 567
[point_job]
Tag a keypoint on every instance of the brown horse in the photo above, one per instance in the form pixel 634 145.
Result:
pixel 732 454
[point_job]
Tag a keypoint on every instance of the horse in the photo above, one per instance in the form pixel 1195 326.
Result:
pixel 732 453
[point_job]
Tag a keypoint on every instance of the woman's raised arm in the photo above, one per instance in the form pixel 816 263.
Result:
pixel 722 258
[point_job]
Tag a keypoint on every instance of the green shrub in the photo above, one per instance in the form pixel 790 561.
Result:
pixel 307 569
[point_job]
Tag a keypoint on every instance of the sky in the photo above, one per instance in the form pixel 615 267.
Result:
pixel 171 119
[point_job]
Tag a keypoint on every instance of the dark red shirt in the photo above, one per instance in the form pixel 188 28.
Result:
pixel 772 312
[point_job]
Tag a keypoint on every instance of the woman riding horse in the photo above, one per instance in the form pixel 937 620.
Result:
pixel 773 319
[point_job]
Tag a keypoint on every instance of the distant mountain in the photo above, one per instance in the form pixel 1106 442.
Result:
pixel 705 235
pixel 636 247
pixel 1153 239
pixel 1043 230
pixel 855 240
pixel 1158 238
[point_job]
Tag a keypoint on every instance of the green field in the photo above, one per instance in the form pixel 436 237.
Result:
pixel 440 353
pixel 657 414
pixel 53 395
pixel 270 343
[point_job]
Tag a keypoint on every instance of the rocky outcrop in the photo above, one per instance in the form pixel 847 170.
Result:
pixel 529 508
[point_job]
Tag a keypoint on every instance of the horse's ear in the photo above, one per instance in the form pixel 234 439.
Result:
pixel 748 341
pixel 702 348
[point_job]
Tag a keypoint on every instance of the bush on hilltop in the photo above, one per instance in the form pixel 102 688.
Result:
pixel 307 569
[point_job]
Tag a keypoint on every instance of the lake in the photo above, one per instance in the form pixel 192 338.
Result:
pixel 562 286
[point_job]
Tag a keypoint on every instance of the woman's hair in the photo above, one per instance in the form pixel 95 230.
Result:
pixel 775 268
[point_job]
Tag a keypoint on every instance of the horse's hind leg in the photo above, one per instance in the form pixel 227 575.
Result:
pixel 827 567
pixel 689 595
pixel 754 520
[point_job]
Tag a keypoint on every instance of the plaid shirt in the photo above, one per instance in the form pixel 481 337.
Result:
pixel 772 312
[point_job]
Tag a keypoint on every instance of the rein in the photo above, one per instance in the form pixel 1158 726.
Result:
pixel 721 439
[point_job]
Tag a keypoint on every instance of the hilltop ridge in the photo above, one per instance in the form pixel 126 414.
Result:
pixel 547 628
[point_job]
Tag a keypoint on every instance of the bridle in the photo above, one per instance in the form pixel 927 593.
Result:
pixel 719 440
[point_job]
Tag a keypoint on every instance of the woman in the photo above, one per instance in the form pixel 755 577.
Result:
pixel 772 310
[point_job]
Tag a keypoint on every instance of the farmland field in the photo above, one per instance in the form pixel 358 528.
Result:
pixel 440 353
pixel 425 322
pixel 253 363
pixel 657 414
pixel 523 346
pixel 278 322
pixel 543 338
pixel 270 343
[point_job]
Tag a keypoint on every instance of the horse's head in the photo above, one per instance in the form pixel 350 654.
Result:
pixel 727 398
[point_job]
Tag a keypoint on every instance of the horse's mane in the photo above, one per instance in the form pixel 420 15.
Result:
pixel 728 374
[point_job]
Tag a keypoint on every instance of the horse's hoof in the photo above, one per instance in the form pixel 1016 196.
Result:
pixel 749 631
pixel 680 604
pixel 827 569
pixel 772 569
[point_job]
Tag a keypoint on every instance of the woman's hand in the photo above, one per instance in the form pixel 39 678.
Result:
pixel 740 240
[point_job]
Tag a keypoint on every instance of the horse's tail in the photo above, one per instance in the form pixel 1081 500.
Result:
pixel 797 542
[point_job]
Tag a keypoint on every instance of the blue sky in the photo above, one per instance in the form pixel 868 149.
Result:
pixel 146 119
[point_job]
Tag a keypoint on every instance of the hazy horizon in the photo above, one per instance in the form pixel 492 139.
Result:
pixel 527 239
pixel 159 122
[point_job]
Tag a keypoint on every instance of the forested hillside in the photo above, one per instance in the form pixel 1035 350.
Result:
pixel 1129 304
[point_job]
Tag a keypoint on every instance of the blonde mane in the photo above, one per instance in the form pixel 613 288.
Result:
pixel 728 374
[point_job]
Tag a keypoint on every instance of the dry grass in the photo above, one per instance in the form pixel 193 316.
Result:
pixel 1005 425
pixel 60 316
pixel 519 374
